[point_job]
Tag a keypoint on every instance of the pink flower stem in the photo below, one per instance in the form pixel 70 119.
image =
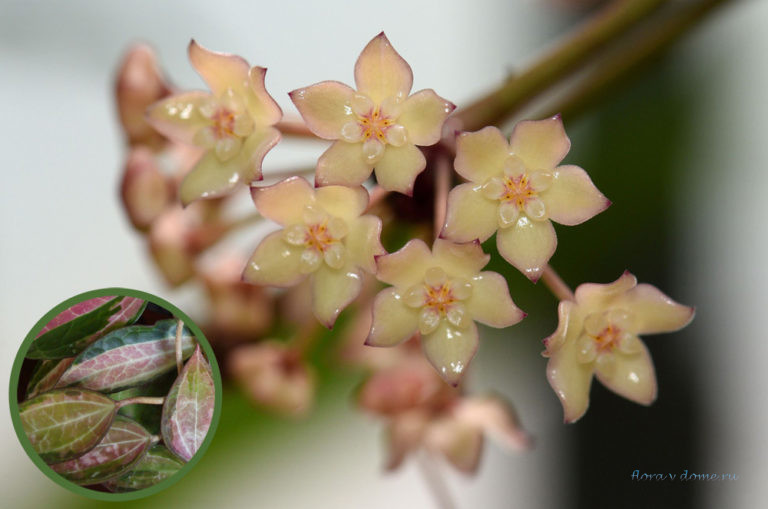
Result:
pixel 296 128
pixel 556 285
pixel 179 355
pixel 431 473
pixel 143 400
pixel 442 185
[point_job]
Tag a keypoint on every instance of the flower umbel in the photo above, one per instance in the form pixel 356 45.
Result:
pixel 378 126
pixel 232 123
pixel 598 334
pixel 440 294
pixel 517 188
pixel 325 237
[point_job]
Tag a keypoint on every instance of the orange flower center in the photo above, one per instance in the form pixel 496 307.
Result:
pixel 318 237
pixel 223 123
pixel 607 339
pixel 518 190
pixel 439 298
pixel 375 123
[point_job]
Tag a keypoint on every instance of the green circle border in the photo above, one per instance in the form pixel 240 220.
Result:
pixel 27 445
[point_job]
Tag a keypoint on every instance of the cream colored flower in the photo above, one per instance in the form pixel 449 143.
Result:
pixel 516 188
pixel 440 294
pixel 598 334
pixel 324 238
pixel 378 126
pixel 233 123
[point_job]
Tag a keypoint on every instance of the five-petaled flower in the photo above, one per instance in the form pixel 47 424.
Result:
pixel 233 123
pixel 440 294
pixel 376 126
pixel 598 334
pixel 324 237
pixel 516 188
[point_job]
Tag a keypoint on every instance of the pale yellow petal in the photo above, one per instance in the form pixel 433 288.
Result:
pixel 324 107
pixel 459 260
pixel 393 321
pixel 211 178
pixel 364 242
pixel 219 70
pixel 274 263
pixel 450 350
pixel 405 267
pixel 653 311
pixel 332 291
pixel 398 168
pixel 528 245
pixel 490 302
pixel 631 376
pixel 342 164
pixel 423 115
pixel 480 155
pixel 541 144
pixel 342 201
pixel 599 297
pixel 261 105
pixel 178 116
pixel 461 444
pixel 469 215
pixel 572 198
pixel 569 322
pixel 380 72
pixel 571 380
pixel 284 202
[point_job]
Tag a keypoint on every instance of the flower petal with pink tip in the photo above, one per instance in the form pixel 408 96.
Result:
pixel 490 302
pixel 469 215
pixel 219 70
pixel 406 266
pixel 380 71
pixel 393 321
pixel 462 260
pixel 631 376
pixel 342 164
pixel 323 107
pixel 573 198
pixel 398 168
pixel 332 291
pixel 653 311
pixel 284 202
pixel 363 242
pixel 274 263
pixel 571 380
pixel 480 155
pixel 178 116
pixel 541 144
pixel 450 349
pixel 423 115
pixel 528 245
pixel 341 201
pixel 211 178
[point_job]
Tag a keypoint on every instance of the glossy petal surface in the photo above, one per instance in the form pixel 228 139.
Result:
pixel 450 349
pixel 423 115
pixel 260 104
pixel 342 164
pixel 393 321
pixel 398 168
pixel 178 116
pixel 572 198
pixel 571 381
pixel 323 107
pixel 341 201
pixel 274 263
pixel 406 266
pixel 380 72
pixel 219 70
pixel 363 242
pixel 541 144
pixel 470 215
pixel 481 155
pixel 332 291
pixel 283 202
pixel 632 376
pixel 528 245
pixel 490 302
pixel 464 260
pixel 654 311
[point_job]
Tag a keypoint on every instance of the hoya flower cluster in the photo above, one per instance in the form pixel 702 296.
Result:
pixel 325 252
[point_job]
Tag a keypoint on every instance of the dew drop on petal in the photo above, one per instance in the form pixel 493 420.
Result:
pixel 228 147
pixel 361 105
pixel 461 289
pixel 295 234
pixel 435 276
pixel 535 209
pixel 429 319
pixel 351 132
pixel 493 189
pixel 457 315
pixel 508 214
pixel 414 297
pixel 514 166
pixel 585 349
pixel 335 256
pixel 396 135
pixel 310 261
pixel 373 149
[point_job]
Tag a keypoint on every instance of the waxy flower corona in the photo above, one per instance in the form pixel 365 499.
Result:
pixel 376 127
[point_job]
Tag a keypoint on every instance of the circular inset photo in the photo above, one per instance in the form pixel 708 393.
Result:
pixel 115 394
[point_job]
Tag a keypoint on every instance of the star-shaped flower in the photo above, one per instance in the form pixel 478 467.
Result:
pixel 325 237
pixel 440 294
pixel 516 188
pixel 378 126
pixel 598 334
pixel 232 123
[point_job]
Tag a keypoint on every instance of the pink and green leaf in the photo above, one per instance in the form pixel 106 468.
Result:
pixel 188 408
pixel 46 375
pixel 128 357
pixel 64 424
pixel 156 465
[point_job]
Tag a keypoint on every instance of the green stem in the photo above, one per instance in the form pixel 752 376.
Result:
pixel 607 25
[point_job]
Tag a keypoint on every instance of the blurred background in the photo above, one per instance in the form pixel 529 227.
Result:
pixel 678 147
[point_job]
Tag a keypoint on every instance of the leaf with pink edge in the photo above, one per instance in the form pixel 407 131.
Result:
pixel 121 447
pixel 46 375
pixel 69 332
pixel 64 424
pixel 188 408
pixel 156 465
pixel 127 357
